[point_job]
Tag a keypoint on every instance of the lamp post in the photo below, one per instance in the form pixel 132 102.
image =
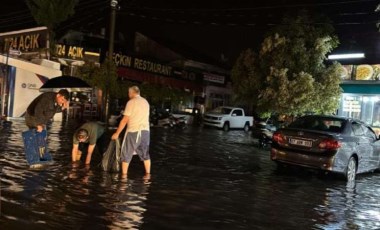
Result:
pixel 114 6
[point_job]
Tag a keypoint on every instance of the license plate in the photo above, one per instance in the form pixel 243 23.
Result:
pixel 300 142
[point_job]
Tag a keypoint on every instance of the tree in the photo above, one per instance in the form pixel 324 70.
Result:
pixel 289 75
pixel 101 76
pixel 51 13
pixel 246 78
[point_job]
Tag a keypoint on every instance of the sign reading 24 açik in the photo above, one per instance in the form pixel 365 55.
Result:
pixel 70 52
pixel 24 40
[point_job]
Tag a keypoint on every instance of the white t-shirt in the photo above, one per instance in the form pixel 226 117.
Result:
pixel 137 109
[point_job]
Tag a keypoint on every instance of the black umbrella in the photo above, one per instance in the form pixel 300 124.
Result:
pixel 70 83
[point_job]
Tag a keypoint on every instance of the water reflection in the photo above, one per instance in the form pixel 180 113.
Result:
pixel 129 204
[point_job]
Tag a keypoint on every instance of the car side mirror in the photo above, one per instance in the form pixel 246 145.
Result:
pixel 234 114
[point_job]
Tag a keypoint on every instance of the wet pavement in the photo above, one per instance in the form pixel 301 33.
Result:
pixel 201 179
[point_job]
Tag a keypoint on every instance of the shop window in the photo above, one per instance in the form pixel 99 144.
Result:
pixel 367 109
pixel 352 106
pixel 376 112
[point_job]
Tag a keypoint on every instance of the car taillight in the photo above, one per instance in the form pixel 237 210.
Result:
pixel 330 144
pixel 279 138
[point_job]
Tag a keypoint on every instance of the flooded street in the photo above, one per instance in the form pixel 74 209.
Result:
pixel 201 179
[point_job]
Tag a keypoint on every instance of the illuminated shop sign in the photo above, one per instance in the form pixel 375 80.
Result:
pixel 141 64
pixel 127 61
pixel 75 53
pixel 361 72
pixel 24 42
pixel 71 52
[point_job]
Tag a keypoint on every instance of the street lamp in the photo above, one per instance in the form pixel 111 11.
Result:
pixel 114 6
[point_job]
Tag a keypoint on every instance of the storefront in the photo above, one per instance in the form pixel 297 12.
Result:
pixel 23 69
pixel 361 94
pixel 208 89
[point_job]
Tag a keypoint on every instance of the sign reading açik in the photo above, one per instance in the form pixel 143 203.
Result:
pixel 30 40
pixel 71 52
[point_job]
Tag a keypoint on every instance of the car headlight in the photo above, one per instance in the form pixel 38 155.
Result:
pixel 219 118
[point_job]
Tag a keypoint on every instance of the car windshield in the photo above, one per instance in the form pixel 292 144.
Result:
pixel 222 110
pixel 328 124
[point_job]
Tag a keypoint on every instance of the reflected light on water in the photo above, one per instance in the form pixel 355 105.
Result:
pixel 202 179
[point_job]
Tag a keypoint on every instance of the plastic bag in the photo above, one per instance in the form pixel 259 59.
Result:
pixel 111 157
pixel 36 147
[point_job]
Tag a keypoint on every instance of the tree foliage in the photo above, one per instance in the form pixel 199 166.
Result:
pixel 103 77
pixel 289 75
pixel 51 13
pixel 246 78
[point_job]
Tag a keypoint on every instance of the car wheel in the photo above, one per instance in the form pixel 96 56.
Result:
pixel 226 126
pixel 246 127
pixel 351 170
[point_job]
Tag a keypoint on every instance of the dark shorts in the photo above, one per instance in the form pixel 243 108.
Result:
pixel 131 145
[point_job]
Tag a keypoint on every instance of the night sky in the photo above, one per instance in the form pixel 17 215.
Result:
pixel 213 27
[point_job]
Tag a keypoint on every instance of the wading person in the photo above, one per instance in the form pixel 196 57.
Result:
pixel 43 108
pixel 40 111
pixel 89 135
pixel 137 136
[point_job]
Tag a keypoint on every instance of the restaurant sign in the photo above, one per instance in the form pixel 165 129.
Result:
pixel 154 67
pixel 142 64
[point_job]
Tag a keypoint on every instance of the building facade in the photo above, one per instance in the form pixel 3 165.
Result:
pixel 361 94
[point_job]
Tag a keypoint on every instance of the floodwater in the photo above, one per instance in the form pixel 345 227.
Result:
pixel 201 179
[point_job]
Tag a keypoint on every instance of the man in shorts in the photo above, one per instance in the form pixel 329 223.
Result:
pixel 137 137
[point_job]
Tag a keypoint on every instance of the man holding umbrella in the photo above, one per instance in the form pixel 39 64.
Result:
pixel 43 108
pixel 38 114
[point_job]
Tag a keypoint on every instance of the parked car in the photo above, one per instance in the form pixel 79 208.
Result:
pixel 263 132
pixel 228 118
pixel 329 143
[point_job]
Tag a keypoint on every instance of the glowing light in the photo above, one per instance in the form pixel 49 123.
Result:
pixel 346 56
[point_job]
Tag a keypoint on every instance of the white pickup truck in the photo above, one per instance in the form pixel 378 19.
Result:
pixel 228 118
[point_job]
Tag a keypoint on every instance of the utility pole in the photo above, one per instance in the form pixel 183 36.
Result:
pixel 114 6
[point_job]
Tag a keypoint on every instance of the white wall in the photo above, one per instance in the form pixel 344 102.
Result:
pixel 27 82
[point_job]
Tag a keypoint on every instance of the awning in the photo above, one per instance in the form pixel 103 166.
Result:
pixel 141 76
pixel 373 88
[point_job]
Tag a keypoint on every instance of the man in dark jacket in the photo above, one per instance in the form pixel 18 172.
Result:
pixel 44 107
pixel 88 136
